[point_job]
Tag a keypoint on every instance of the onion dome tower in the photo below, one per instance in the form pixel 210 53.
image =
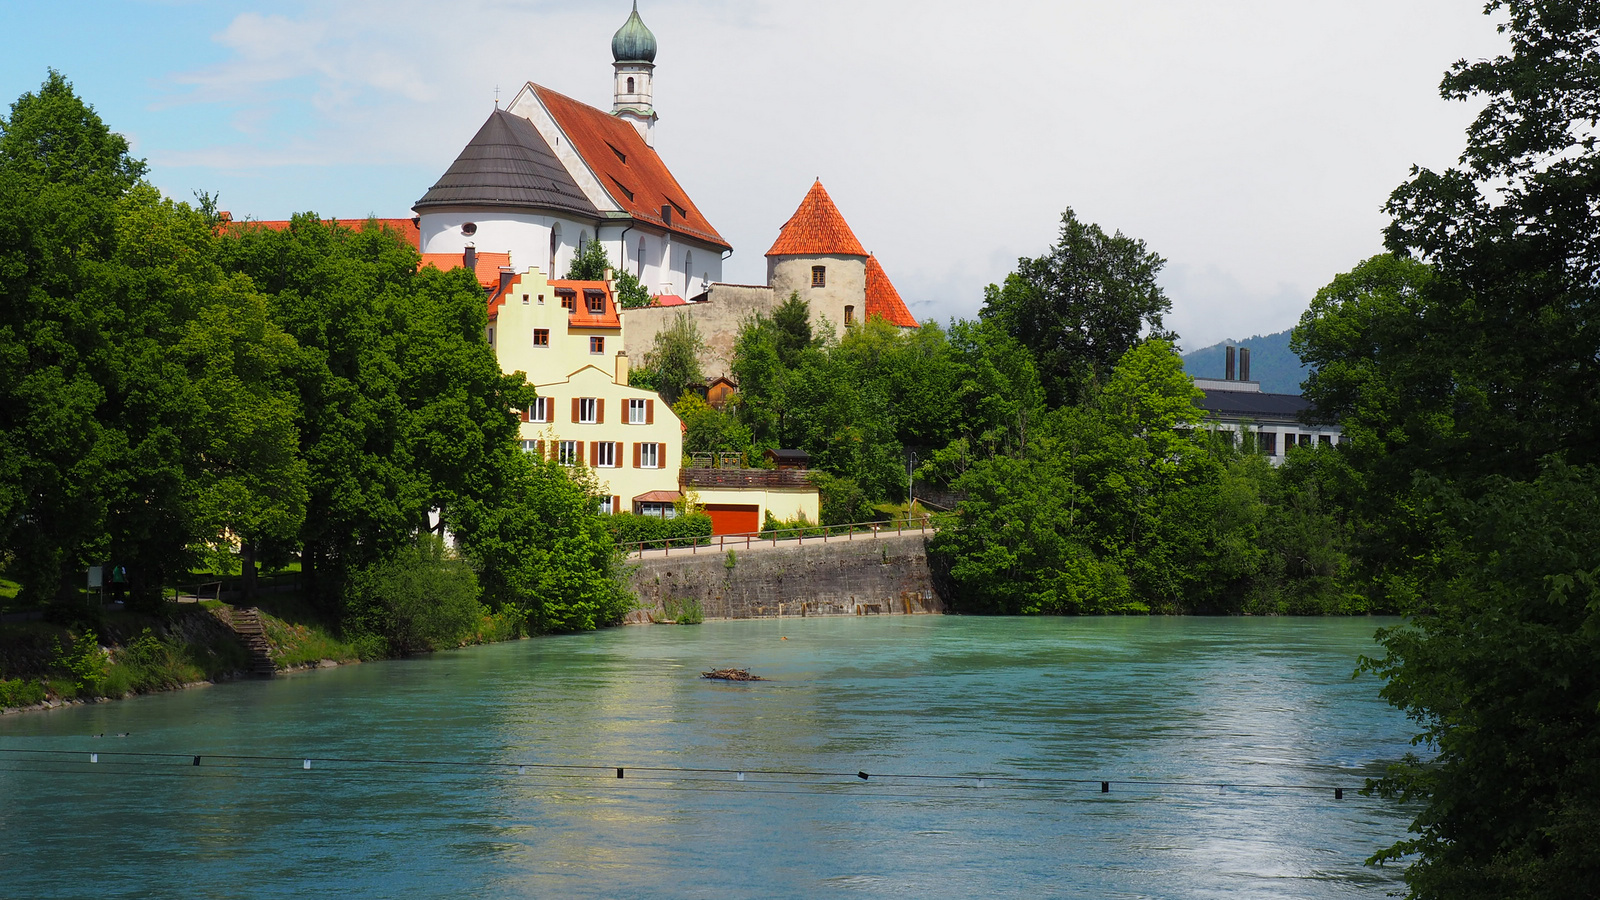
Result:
pixel 633 51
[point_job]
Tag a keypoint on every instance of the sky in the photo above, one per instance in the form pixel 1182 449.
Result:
pixel 1251 144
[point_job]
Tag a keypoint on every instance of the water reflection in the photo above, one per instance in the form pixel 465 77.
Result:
pixel 1246 702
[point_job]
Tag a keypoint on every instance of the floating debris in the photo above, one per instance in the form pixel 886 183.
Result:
pixel 731 675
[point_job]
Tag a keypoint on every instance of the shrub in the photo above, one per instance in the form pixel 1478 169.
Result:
pixel 684 611
pixel 20 692
pixel 422 598
pixel 629 528
pixel 84 662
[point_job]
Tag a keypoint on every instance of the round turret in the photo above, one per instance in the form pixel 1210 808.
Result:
pixel 633 42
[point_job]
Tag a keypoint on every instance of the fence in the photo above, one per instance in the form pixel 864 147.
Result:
pixel 916 524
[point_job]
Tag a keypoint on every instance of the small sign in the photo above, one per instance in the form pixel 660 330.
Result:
pixel 95 580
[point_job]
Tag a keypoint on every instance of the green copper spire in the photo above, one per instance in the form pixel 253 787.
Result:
pixel 633 42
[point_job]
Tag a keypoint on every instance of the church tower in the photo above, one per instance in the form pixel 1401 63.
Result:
pixel 633 49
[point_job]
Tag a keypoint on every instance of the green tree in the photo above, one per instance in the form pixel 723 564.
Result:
pixel 545 550
pixel 423 597
pixel 673 362
pixel 708 429
pixel 1081 306
pixel 591 264
pixel 403 409
pixel 1461 383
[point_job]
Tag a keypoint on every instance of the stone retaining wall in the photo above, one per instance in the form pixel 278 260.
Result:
pixel 865 576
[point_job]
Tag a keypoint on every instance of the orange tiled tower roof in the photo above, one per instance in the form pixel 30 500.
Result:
pixel 817 229
pixel 883 301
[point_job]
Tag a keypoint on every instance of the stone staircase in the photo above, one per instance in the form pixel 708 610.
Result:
pixel 246 623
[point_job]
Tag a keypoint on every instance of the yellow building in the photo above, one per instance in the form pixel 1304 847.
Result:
pixel 566 337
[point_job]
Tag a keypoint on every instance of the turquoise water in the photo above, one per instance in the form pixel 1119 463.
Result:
pixel 1057 701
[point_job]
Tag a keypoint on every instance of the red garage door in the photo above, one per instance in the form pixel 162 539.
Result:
pixel 733 518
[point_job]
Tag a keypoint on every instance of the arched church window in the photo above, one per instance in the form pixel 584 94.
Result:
pixel 640 274
pixel 688 266
pixel 630 85
pixel 583 241
pixel 469 228
pixel 555 244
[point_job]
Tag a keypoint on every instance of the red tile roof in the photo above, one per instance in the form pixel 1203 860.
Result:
pixel 628 169
pixel 487 268
pixel 883 301
pixel 668 300
pixel 407 228
pixel 816 229
pixel 581 317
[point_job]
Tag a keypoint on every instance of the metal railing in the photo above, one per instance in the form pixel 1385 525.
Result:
pixel 721 542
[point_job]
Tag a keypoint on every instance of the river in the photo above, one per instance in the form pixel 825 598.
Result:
pixel 1249 724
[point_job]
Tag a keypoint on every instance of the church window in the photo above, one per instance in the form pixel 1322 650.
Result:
pixel 469 228
pixel 630 85
pixel 555 244
pixel 819 276
pixel 688 266
pixel 849 315
pixel 640 274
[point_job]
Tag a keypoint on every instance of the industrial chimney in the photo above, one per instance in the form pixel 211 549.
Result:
pixel 1227 367
pixel 1244 363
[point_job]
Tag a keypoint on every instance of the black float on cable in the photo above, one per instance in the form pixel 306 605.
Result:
pixel 1105 787
pixel 861 775
pixel 1338 793
pixel 197 760
pixel 619 771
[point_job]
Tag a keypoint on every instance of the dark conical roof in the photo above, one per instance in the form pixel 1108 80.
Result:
pixel 507 163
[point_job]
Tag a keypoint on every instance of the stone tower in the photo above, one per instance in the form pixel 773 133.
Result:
pixel 633 51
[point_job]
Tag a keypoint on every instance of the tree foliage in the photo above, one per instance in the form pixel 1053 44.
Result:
pixel 672 367
pixel 1081 306
pixel 591 263
pixel 1463 369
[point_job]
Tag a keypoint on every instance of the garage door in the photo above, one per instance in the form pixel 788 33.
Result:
pixel 732 518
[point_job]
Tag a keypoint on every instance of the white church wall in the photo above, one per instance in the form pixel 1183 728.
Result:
pixel 525 236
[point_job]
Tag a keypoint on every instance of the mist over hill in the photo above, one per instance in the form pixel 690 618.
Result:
pixel 1271 362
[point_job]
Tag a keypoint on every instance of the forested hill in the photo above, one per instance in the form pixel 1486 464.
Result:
pixel 1271 362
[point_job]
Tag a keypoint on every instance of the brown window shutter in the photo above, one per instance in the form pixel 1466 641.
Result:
pixel 649 412
pixel 594 452
pixel 538 448
pixel 616 504
pixel 636 454
pixel 524 415
pixel 574 409
pixel 579 448
pixel 600 411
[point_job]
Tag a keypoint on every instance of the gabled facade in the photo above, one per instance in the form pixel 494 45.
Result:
pixel 566 337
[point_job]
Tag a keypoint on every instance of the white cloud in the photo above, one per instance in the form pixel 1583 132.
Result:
pixel 1251 143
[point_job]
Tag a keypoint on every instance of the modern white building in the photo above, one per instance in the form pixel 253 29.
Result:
pixel 1269 423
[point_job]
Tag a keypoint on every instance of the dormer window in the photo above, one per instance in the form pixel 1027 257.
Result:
pixel 569 299
pixel 595 301
pixel 819 276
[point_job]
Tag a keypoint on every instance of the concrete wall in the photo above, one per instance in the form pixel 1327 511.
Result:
pixel 718 319
pixel 864 576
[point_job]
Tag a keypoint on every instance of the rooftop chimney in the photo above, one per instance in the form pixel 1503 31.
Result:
pixel 622 367
pixel 1227 366
pixel 469 258
pixel 666 214
pixel 507 275
pixel 1244 363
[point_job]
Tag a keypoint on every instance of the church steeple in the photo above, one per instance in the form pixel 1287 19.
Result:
pixel 633 49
